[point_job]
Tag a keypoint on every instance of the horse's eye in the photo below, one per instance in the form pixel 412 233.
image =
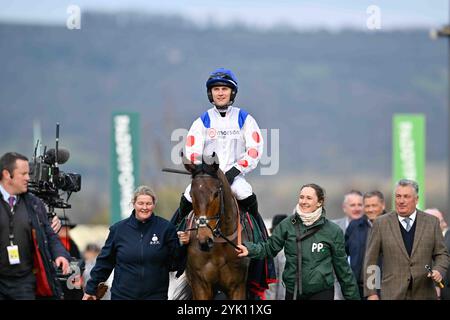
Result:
pixel 216 194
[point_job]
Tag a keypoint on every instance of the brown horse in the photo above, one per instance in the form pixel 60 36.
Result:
pixel 212 262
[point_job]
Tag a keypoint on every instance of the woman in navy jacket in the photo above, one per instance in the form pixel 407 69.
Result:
pixel 141 249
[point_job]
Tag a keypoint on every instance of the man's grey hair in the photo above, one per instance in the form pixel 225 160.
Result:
pixel 410 183
pixel 352 192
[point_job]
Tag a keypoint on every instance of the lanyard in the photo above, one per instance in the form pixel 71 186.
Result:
pixel 10 211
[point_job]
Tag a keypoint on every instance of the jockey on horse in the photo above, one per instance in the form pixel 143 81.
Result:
pixel 232 134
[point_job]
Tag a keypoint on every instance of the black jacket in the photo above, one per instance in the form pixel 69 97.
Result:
pixel 141 254
pixel 355 245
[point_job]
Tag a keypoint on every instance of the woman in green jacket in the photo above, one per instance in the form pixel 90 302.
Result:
pixel 322 250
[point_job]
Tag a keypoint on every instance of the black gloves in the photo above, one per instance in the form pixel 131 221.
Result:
pixel 231 174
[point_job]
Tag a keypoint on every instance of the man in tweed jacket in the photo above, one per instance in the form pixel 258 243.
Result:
pixel 407 240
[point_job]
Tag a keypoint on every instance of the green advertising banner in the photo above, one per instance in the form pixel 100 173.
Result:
pixel 124 163
pixel 409 151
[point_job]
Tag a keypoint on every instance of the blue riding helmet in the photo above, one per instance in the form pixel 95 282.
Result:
pixel 222 77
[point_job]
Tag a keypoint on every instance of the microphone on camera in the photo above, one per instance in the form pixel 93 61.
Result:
pixel 63 156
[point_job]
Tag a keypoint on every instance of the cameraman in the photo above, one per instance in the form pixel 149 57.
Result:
pixel 28 245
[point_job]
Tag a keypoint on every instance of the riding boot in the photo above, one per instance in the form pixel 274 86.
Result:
pixel 250 204
pixel 185 209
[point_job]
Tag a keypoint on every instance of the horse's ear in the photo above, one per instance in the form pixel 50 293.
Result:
pixel 211 161
pixel 188 165
pixel 215 161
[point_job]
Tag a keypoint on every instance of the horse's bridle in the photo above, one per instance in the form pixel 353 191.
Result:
pixel 202 221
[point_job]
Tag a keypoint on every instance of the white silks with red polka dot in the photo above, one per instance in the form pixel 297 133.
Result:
pixel 235 138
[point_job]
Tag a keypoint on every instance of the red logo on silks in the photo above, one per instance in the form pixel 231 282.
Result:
pixel 256 137
pixel 211 133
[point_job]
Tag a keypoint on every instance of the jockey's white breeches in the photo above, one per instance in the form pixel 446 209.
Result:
pixel 240 188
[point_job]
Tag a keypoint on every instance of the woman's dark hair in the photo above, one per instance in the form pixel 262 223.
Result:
pixel 320 192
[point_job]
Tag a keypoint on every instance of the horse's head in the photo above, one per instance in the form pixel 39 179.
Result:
pixel 207 199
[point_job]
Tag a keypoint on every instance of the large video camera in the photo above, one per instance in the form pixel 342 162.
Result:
pixel 47 181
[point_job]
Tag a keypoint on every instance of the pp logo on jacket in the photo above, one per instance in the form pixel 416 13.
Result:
pixel 155 239
pixel 317 246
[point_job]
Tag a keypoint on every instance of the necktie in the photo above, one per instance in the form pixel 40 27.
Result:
pixel 11 201
pixel 407 224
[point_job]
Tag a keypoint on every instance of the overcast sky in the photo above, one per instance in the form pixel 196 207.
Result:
pixel 330 14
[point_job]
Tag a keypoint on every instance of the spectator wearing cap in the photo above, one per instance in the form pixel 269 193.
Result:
pixel 72 285
pixel 67 241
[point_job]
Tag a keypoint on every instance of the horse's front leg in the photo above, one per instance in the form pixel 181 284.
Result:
pixel 237 292
pixel 201 291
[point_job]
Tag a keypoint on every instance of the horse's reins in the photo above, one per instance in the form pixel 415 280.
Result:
pixel 217 233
